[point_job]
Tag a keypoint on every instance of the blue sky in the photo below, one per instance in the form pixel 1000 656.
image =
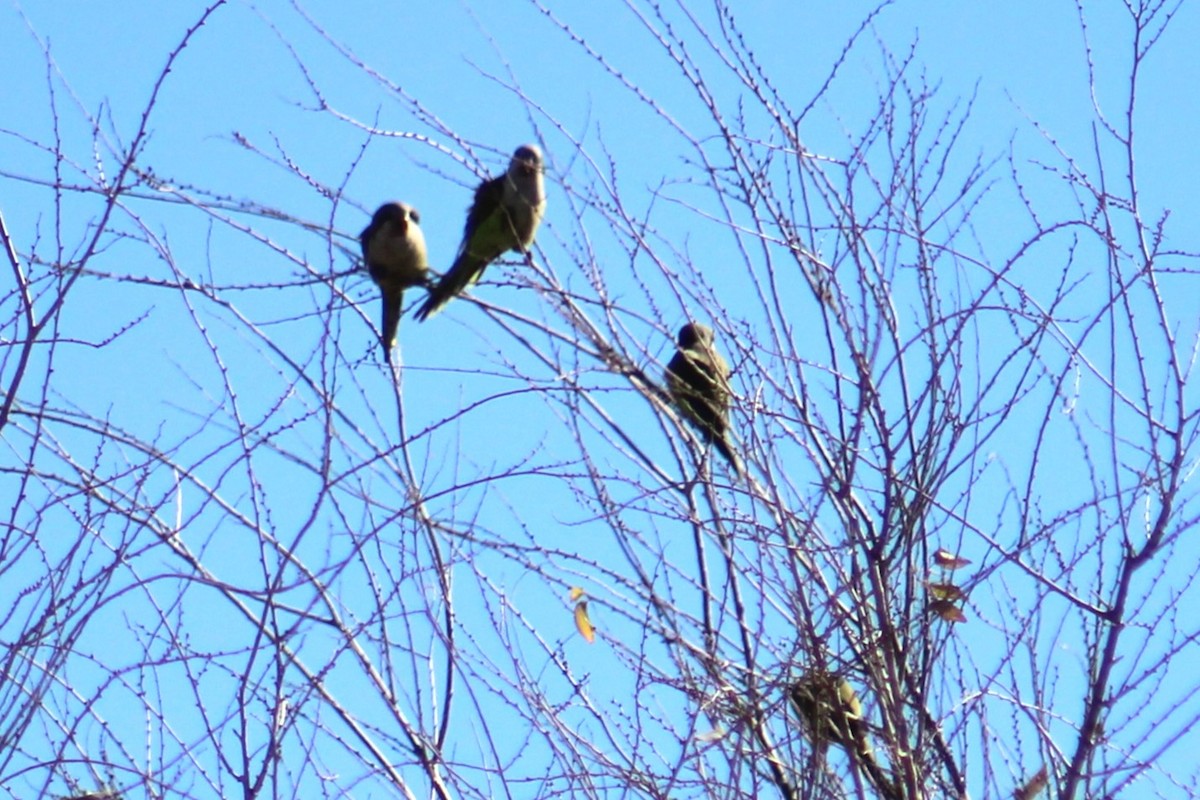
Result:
pixel 283 351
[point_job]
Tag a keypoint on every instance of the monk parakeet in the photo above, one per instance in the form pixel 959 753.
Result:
pixel 830 711
pixel 505 216
pixel 698 380
pixel 394 249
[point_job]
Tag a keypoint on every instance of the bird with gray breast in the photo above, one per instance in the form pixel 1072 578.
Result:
pixel 394 249
pixel 504 216
pixel 698 381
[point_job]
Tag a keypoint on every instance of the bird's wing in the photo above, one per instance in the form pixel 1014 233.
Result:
pixel 489 197
pixel 364 238
pixel 699 379
pixel 711 375
pixel 479 246
pixel 693 379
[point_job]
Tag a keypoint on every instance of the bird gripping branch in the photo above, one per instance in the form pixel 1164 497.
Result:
pixel 504 216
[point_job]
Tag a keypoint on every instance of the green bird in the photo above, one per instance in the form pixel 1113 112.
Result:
pixel 698 381
pixel 830 712
pixel 504 216
pixel 394 250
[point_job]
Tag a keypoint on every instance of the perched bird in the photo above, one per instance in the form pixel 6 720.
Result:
pixel 504 216
pixel 698 380
pixel 394 249
pixel 830 711
pixel 829 708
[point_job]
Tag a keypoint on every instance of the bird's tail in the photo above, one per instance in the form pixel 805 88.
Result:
pixel 862 755
pixel 392 300
pixel 724 446
pixel 466 270
pixel 878 777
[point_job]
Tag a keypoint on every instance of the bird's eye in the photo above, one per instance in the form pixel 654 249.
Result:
pixel 414 215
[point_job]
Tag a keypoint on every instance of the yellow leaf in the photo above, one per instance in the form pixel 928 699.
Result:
pixel 576 593
pixel 583 624
pixel 947 560
pixel 945 591
pixel 1033 787
pixel 947 611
